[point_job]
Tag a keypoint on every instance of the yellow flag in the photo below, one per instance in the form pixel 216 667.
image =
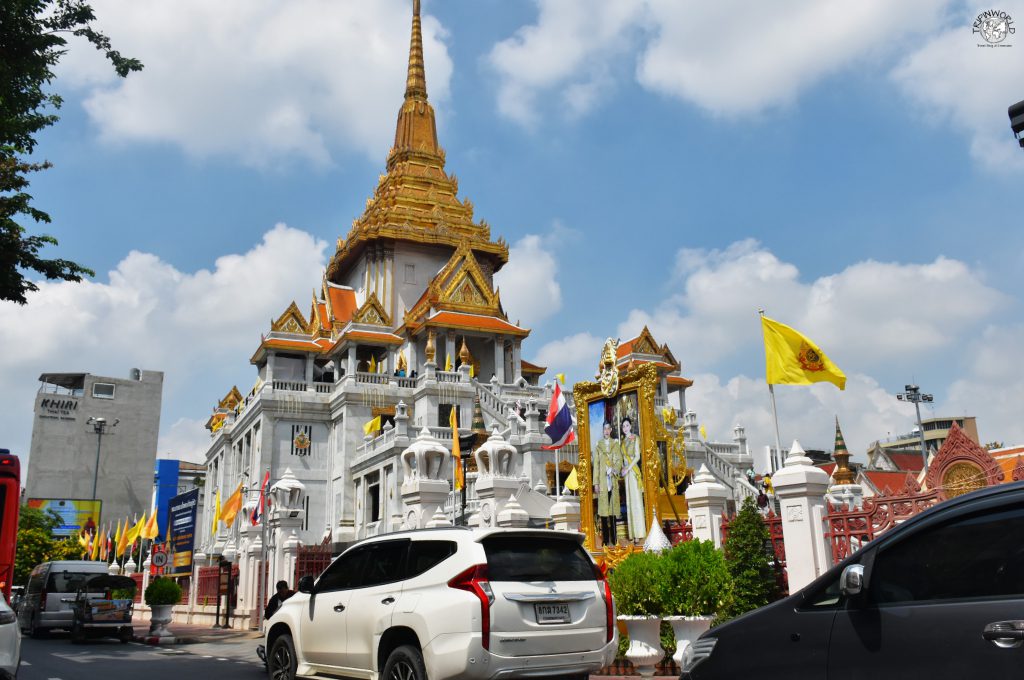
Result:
pixel 472 373
pixel 793 359
pixel 448 363
pixel 561 377
pixel 572 482
pixel 95 545
pixel 372 426
pixel 133 533
pixel 104 539
pixel 373 364
pixel 117 539
pixel 151 530
pixel 216 514
pixel 453 420
pixel 703 433
pixel 122 543
pixel 231 506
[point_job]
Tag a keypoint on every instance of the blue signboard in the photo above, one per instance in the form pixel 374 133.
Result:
pixel 181 532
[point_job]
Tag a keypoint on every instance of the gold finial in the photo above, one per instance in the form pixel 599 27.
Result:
pixel 416 82
pixel 431 346
pixel 464 354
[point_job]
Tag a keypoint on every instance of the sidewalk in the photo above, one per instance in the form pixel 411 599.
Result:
pixel 190 634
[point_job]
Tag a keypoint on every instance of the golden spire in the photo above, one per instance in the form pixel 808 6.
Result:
pixel 416 82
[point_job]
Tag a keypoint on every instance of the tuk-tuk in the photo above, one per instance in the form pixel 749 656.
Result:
pixel 103 607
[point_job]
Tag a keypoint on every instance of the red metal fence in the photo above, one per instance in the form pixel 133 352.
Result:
pixel 311 560
pixel 847 531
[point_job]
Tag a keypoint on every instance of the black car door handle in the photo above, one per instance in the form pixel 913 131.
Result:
pixel 1004 631
pixel 339 607
pixel 388 600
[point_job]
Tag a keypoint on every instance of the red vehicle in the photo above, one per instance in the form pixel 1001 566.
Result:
pixel 10 495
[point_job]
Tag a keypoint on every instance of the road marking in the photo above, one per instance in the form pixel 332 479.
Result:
pixel 26 663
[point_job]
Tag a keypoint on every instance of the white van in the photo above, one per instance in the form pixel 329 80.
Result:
pixel 51 582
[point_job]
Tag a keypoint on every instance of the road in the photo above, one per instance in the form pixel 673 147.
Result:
pixel 55 658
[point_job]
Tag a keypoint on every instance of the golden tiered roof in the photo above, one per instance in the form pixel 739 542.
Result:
pixel 416 200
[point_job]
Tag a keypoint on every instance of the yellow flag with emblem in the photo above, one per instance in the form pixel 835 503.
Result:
pixel 448 363
pixel 133 533
pixel 216 514
pixel 231 507
pixel 791 358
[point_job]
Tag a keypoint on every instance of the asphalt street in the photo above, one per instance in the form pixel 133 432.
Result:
pixel 55 658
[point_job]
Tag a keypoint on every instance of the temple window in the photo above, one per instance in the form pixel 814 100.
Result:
pixel 410 273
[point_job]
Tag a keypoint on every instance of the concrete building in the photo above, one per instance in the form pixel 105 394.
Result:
pixel 63 453
pixel 936 430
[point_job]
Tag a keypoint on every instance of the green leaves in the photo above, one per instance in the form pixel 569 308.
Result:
pixel 697 579
pixel 163 591
pixel 750 557
pixel 637 585
pixel 31 44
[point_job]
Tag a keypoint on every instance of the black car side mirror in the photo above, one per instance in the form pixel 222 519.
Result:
pixel 306 584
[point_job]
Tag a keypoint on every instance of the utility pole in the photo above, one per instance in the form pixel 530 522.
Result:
pixel 99 426
pixel 913 394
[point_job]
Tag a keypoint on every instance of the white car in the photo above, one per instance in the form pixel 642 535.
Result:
pixel 10 642
pixel 449 603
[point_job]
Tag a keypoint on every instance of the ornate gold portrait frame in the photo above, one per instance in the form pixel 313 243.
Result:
pixel 644 381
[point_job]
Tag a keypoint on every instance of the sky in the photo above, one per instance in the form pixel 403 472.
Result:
pixel 847 167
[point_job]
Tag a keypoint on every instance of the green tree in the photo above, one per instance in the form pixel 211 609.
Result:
pixel 36 543
pixel 33 38
pixel 748 552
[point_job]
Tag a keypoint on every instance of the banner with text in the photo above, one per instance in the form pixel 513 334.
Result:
pixel 75 515
pixel 181 531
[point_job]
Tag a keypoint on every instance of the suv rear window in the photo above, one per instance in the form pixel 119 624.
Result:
pixel 424 555
pixel 67 581
pixel 534 558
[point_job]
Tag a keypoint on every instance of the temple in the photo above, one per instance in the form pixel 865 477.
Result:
pixel 353 399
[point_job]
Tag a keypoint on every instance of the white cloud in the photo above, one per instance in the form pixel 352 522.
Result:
pixel 728 57
pixel 192 326
pixel 870 314
pixel 875 319
pixel 575 355
pixel 954 79
pixel 530 291
pixel 259 80
pixel 186 439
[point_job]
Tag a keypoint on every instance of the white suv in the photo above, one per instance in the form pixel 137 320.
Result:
pixel 449 603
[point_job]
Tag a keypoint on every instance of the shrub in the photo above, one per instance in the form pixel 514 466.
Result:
pixel 697 579
pixel 163 591
pixel 638 586
pixel 749 554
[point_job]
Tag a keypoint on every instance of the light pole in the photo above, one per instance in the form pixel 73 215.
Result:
pixel 99 426
pixel 913 394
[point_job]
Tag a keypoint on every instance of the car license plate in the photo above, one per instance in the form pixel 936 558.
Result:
pixel 554 612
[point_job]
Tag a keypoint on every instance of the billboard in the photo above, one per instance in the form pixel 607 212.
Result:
pixel 75 515
pixel 181 532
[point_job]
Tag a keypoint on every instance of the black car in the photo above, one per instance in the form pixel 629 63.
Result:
pixel 939 596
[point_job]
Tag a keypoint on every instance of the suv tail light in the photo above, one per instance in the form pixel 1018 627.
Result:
pixel 609 606
pixel 474 580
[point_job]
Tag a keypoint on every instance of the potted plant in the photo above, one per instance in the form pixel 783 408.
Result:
pixel 697 586
pixel 637 586
pixel 161 595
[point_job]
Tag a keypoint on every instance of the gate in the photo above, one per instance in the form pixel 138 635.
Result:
pixel 311 560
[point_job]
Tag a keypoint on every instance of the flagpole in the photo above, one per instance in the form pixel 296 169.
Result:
pixel 777 458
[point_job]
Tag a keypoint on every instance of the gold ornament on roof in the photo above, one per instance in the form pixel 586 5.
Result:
pixel 431 346
pixel 608 374
pixel 464 354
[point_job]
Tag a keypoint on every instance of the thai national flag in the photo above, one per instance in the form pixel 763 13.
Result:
pixel 257 512
pixel 559 420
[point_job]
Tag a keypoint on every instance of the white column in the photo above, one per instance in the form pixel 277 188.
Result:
pixel 449 349
pixel 705 502
pixel 801 489
pixel 270 368
pixel 351 362
pixel 517 359
pixel 499 359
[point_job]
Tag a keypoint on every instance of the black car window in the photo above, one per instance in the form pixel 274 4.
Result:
pixel 828 596
pixel 67 581
pixel 344 572
pixel 535 558
pixel 425 555
pixel 385 563
pixel 977 556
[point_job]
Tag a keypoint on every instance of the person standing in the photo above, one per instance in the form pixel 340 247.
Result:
pixel 607 472
pixel 636 522
pixel 282 594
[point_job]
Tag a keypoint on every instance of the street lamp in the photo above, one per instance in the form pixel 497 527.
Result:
pixel 1016 113
pixel 913 394
pixel 99 426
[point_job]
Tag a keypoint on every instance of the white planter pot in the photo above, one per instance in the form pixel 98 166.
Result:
pixel 159 618
pixel 686 629
pixel 644 643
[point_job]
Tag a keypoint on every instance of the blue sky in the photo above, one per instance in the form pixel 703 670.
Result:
pixel 848 167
